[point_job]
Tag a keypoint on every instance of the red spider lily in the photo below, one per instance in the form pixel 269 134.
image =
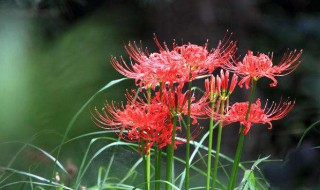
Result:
pixel 218 86
pixel 261 66
pixel 237 113
pixel 221 54
pixel 149 124
pixel 177 102
pixel 179 65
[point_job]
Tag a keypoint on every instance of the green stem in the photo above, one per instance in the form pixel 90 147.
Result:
pixel 149 95
pixel 236 162
pixel 240 141
pixel 146 161
pixel 210 147
pixel 148 157
pixel 188 138
pixel 158 155
pixel 216 158
pixel 170 153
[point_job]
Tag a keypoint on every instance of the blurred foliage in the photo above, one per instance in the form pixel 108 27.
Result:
pixel 46 79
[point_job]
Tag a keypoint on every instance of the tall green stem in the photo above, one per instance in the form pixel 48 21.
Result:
pixel 240 141
pixel 147 155
pixel 216 158
pixel 170 153
pixel 158 155
pixel 157 184
pixel 148 169
pixel 236 162
pixel 146 161
pixel 210 147
pixel 188 138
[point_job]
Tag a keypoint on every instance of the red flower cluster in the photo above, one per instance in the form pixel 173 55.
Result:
pixel 149 124
pixel 149 120
pixel 237 113
pixel 179 65
pixel 176 101
pixel 138 121
pixel 261 66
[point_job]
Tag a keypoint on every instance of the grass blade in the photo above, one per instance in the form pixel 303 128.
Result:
pixel 129 173
pixel 249 179
pixel 80 175
pixel 197 147
pixel 306 131
pixel 33 176
pixel 74 118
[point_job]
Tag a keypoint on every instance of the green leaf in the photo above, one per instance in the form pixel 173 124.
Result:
pixel 306 131
pixel 84 168
pixel 111 83
pixel 33 176
pixel 249 180
pixel 74 118
pixel 197 147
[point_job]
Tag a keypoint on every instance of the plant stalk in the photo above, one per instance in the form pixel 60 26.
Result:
pixel 158 155
pixel 146 161
pixel 188 138
pixel 148 157
pixel 241 141
pixel 210 147
pixel 216 158
pixel 170 153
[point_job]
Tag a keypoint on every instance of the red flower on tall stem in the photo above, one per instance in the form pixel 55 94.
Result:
pixel 149 124
pixel 177 102
pixel 237 113
pixel 181 64
pixel 261 65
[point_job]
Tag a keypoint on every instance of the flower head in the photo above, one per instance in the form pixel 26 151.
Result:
pixel 237 113
pixel 261 65
pixel 177 102
pixel 181 64
pixel 149 124
pixel 221 54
